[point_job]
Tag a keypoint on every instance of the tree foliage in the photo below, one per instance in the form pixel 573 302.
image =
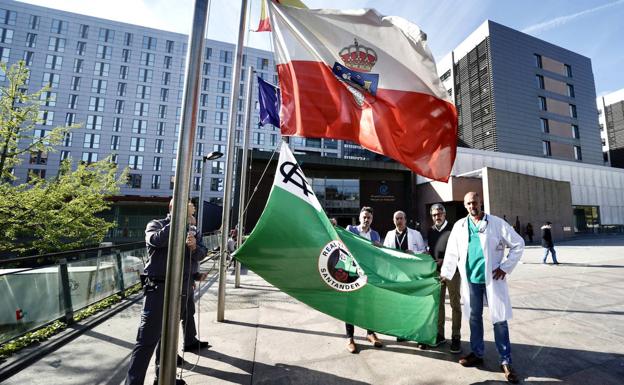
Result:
pixel 45 215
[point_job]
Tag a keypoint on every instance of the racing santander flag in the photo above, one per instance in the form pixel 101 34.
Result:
pixel 295 248
pixel 269 99
pixel 371 79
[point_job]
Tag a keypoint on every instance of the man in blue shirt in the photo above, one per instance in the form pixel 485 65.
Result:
pixel 476 247
pixel 364 230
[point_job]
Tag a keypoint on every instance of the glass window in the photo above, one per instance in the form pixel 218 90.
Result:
pixel 546 148
pixel 96 103
pixel 126 55
pixel 159 146
pixel 542 103
pixel 123 72
pixel 216 184
pixel 570 90
pixel 50 80
pixel 149 42
pixel 145 75
pixel 225 56
pixel 28 58
pixel 544 125
pixel 48 99
pixel 104 52
pixel 117 124
pixel 121 89
pixel 575 131
pixel 568 70
pixel 106 35
pixel 540 81
pixel 134 180
pixel 8 17
pixel 157 163
pixel 141 109
pixel 147 59
pixel 75 83
pixel 56 44
pixel 127 39
pixel 6 35
pixel 538 60
pixel 58 26
pixel 137 144
pixel 577 153
pixel 155 182
pixel 54 62
pixel 91 141
pixel 33 22
pixel 169 46
pixel 573 111
pixel 89 157
pixel 78 65
pixel 81 47
pixel 115 142
pixel 143 92
pixel 83 31
pixel 101 69
pixel 31 40
pixel 94 122
pixel 139 126
pixel 99 86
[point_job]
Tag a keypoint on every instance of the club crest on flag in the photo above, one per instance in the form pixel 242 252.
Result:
pixel 355 72
pixel 338 269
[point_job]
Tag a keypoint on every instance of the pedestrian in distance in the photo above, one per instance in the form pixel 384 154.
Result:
pixel 547 243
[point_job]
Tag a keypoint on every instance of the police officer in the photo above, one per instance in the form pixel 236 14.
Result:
pixel 148 336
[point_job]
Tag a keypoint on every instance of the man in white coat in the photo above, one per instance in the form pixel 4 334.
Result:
pixel 476 247
pixel 402 237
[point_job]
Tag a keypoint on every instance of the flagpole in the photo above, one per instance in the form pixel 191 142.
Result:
pixel 179 212
pixel 229 166
pixel 243 178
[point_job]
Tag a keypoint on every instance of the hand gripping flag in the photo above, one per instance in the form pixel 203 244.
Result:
pixel 371 79
pixel 295 248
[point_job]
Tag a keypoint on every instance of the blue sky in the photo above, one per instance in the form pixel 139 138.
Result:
pixel 593 28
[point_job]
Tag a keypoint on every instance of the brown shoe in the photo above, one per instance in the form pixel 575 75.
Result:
pixel 510 374
pixel 372 338
pixel 351 347
pixel 470 360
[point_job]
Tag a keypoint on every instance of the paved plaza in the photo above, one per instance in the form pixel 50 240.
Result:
pixel 567 329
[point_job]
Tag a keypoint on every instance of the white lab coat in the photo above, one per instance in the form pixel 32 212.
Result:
pixel 495 236
pixel 415 241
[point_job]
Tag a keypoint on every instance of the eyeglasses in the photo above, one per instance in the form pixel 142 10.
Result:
pixel 437 214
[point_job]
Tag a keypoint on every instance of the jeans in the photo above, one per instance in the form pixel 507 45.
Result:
pixel 552 251
pixel 501 330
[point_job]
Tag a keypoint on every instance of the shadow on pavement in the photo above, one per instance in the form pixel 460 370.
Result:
pixel 259 373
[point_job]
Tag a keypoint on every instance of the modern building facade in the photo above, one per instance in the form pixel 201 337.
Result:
pixel 521 95
pixel 611 117
pixel 123 84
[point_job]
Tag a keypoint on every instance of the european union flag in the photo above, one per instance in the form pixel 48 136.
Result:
pixel 269 98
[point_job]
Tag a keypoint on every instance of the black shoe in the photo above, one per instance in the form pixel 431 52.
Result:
pixel 399 339
pixel 439 340
pixel 179 381
pixel 196 345
pixel 422 346
pixel 455 345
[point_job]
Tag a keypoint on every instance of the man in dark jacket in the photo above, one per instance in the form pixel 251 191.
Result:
pixel 437 237
pixel 547 243
pixel 148 336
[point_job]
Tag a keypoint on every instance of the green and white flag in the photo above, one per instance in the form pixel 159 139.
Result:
pixel 295 248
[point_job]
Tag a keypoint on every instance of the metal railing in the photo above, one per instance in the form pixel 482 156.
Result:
pixel 45 288
pixel 41 289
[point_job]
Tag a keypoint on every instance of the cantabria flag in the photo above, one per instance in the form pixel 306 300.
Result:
pixel 295 248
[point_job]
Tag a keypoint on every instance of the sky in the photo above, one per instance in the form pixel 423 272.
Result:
pixel 593 28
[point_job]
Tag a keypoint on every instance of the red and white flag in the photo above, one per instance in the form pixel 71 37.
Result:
pixel 357 75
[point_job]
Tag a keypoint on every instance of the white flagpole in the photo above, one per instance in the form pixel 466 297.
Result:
pixel 229 163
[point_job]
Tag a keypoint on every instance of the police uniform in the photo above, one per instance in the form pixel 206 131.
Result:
pixel 148 336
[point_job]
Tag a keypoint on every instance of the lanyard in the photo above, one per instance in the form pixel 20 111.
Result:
pixel 399 241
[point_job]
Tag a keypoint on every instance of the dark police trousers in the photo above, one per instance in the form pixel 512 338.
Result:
pixel 148 336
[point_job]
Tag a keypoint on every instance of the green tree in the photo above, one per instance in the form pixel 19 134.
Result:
pixel 45 215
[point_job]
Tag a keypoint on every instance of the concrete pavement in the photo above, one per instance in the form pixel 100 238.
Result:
pixel 567 329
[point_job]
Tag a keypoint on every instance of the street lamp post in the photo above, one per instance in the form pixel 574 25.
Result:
pixel 200 211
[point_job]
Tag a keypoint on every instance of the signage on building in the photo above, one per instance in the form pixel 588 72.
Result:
pixel 383 193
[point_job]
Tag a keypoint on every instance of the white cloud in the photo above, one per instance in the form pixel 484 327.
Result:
pixel 559 21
